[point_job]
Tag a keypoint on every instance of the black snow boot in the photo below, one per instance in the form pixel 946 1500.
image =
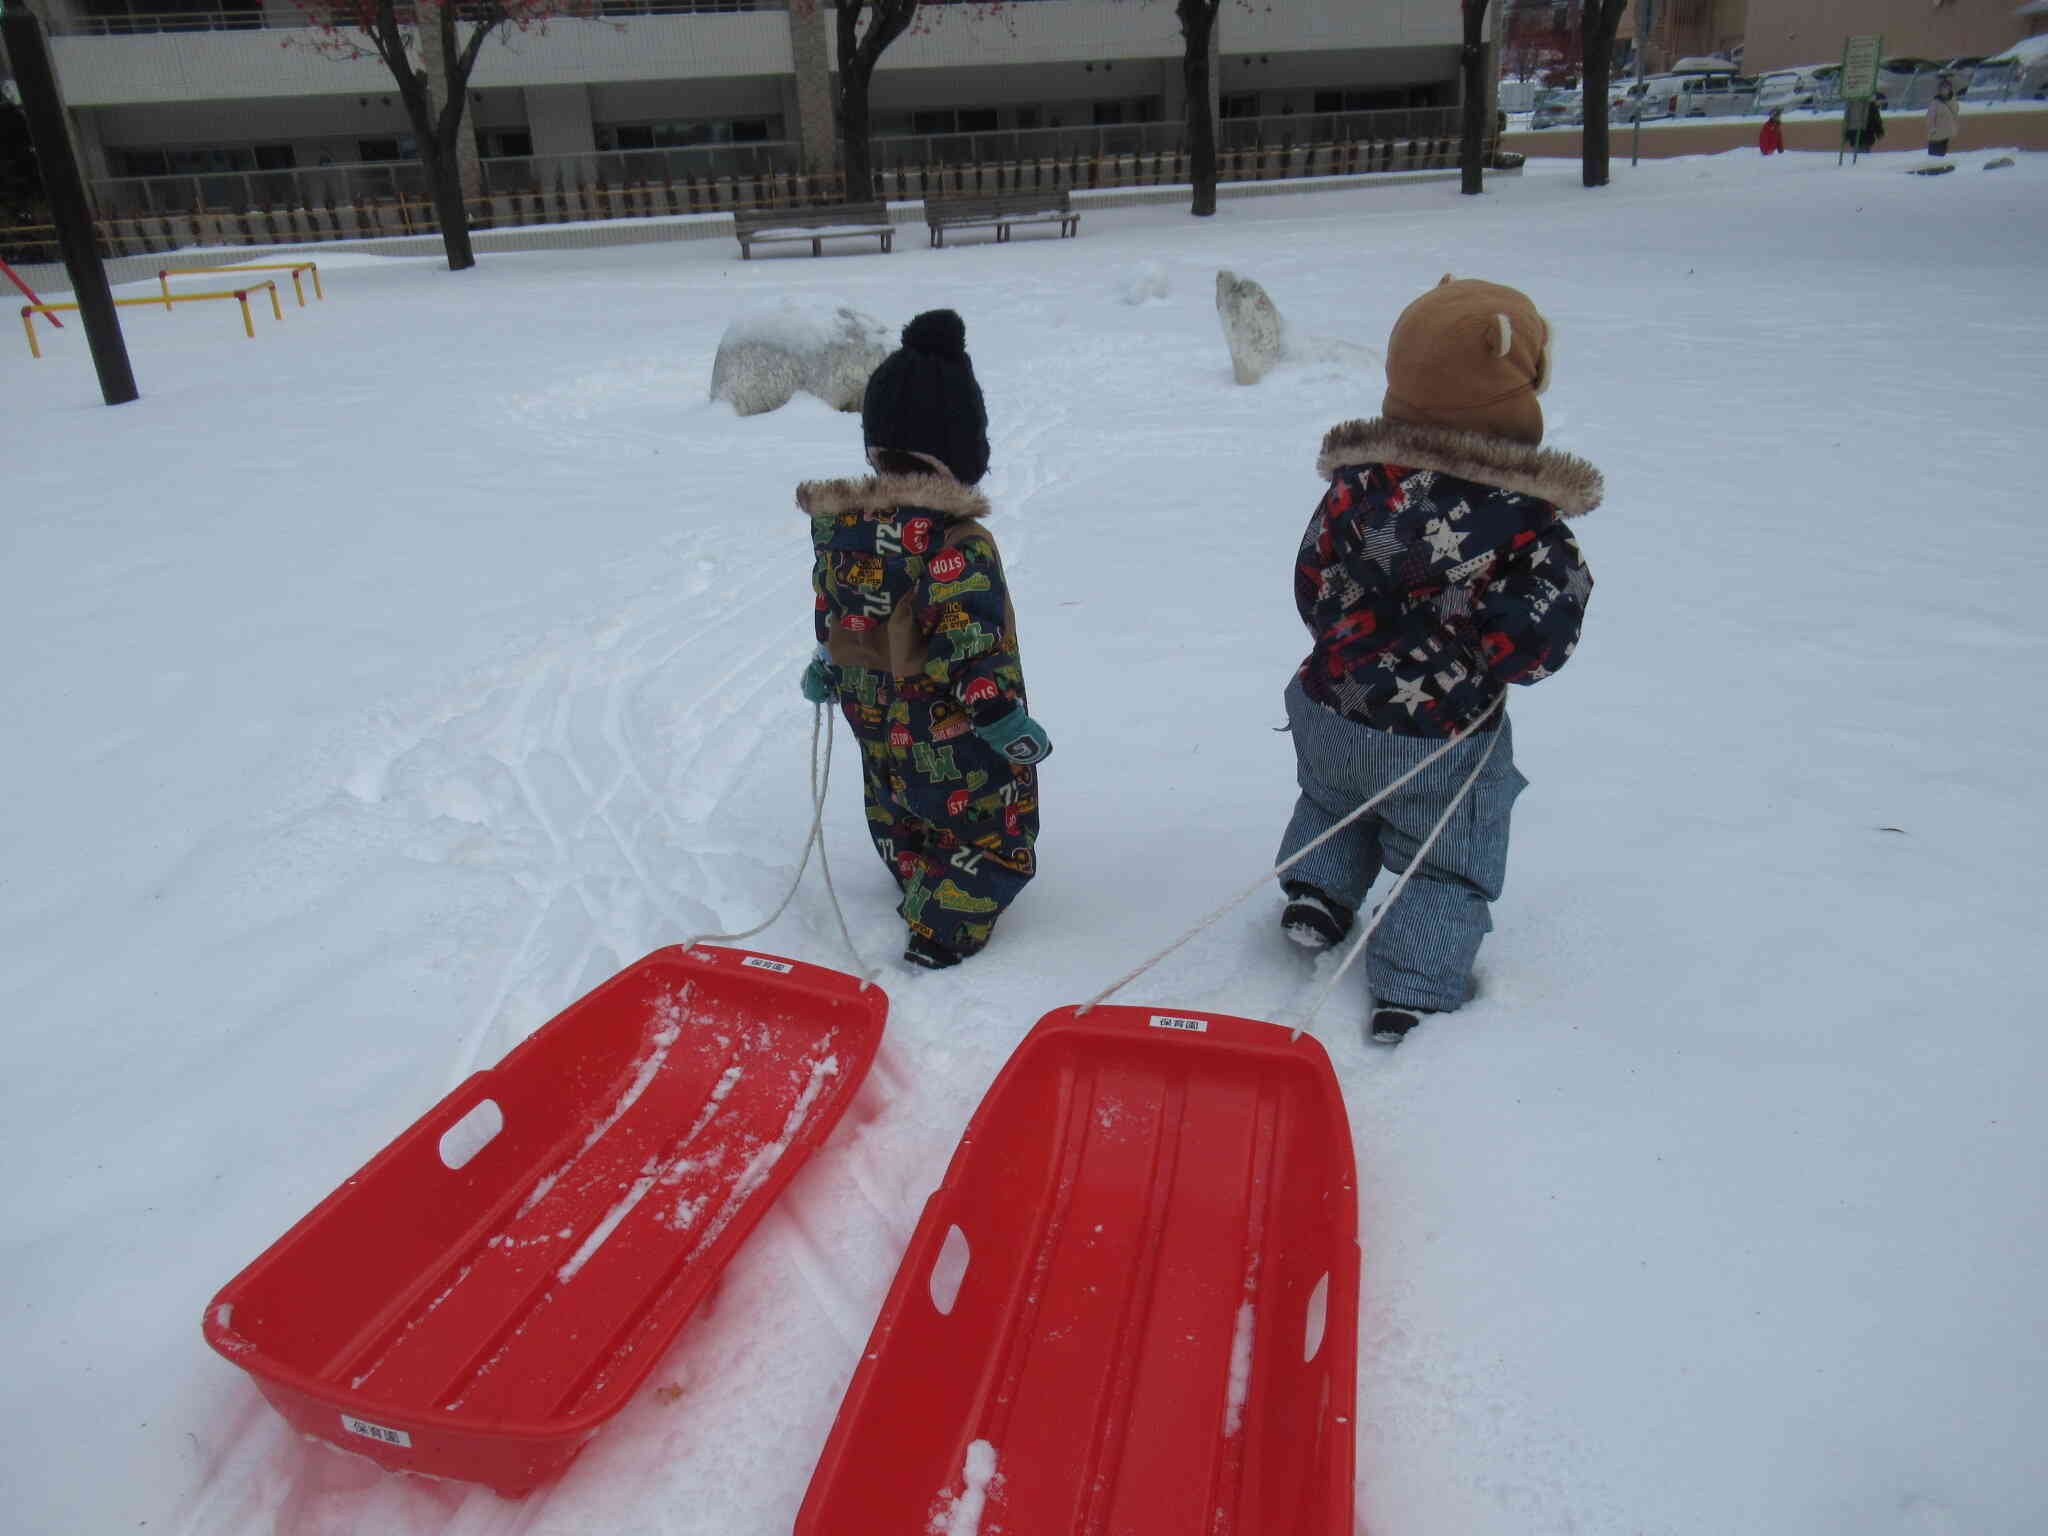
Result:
pixel 1312 919
pixel 1391 1022
pixel 929 954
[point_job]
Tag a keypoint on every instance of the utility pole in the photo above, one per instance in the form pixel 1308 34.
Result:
pixel 43 104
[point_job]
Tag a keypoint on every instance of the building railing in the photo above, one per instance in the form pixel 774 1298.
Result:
pixel 1111 139
pixel 122 18
pixel 140 215
pixel 400 180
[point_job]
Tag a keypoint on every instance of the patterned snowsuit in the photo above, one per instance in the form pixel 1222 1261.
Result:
pixel 1436 571
pixel 913 607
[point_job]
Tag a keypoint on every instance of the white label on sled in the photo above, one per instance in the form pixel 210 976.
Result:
pixel 371 1431
pixel 1174 1021
pixel 781 967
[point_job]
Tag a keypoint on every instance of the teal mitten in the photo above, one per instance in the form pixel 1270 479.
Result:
pixel 1018 737
pixel 821 678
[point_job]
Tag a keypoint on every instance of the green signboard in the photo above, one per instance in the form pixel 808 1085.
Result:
pixel 1860 56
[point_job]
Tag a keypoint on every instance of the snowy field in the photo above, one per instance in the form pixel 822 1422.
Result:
pixel 381 684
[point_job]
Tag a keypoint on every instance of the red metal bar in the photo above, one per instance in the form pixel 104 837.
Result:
pixel 15 278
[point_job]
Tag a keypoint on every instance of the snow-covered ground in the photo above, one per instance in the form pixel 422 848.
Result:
pixel 379 685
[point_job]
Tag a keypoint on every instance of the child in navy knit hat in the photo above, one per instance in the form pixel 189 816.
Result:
pixel 917 641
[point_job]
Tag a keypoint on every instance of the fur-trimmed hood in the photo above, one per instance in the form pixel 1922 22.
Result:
pixel 884 493
pixel 1567 482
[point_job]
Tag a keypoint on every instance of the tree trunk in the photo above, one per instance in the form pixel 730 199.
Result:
pixel 444 178
pixel 1198 30
pixel 856 156
pixel 1596 83
pixel 1594 143
pixel 1472 81
pixel 858 54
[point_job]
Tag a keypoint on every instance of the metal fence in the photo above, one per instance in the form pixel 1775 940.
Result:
pixel 337 186
pixel 1109 141
pixel 141 215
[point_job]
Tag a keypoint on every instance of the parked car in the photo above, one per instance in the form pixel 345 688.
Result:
pixel 1559 109
pixel 1791 90
pixel 1651 97
pixel 1906 84
pixel 2018 74
pixel 1716 93
pixel 1901 83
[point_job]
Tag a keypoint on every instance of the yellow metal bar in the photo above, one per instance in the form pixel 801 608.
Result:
pixel 30 311
pixel 163 281
pixel 293 267
pixel 186 298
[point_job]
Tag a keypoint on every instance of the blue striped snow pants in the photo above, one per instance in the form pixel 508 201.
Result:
pixel 1422 953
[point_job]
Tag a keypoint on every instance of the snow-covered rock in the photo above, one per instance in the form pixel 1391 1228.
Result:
pixel 1252 326
pixel 770 353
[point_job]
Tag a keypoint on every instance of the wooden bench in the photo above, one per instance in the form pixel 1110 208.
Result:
pixel 1000 210
pixel 817 225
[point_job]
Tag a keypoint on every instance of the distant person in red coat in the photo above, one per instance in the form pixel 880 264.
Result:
pixel 1771 137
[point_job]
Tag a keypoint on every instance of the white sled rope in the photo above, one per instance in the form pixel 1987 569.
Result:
pixel 1357 944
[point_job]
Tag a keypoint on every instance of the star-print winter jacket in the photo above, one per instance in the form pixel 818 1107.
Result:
pixel 1436 570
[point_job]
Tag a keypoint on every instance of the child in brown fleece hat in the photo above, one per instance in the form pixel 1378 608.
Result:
pixel 1436 570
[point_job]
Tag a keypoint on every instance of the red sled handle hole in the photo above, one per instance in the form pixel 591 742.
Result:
pixel 1318 1318
pixel 472 1133
pixel 948 1270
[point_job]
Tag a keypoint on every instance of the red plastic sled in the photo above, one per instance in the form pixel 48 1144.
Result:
pixel 1156 1329
pixel 476 1304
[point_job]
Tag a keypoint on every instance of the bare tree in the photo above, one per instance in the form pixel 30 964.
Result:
pixel 436 98
pixel 860 50
pixel 1596 77
pixel 1472 78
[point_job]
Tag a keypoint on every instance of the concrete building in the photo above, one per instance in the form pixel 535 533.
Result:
pixel 1793 32
pixel 236 97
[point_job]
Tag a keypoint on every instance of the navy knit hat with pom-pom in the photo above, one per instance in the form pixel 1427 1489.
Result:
pixel 924 398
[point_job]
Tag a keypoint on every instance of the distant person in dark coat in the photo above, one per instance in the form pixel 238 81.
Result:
pixel 1864 139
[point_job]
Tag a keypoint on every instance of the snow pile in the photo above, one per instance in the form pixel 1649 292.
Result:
pixel 1240 1369
pixel 961 1515
pixel 770 353
pixel 1145 283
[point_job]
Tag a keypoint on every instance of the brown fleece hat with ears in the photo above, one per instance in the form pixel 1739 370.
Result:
pixel 1470 355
